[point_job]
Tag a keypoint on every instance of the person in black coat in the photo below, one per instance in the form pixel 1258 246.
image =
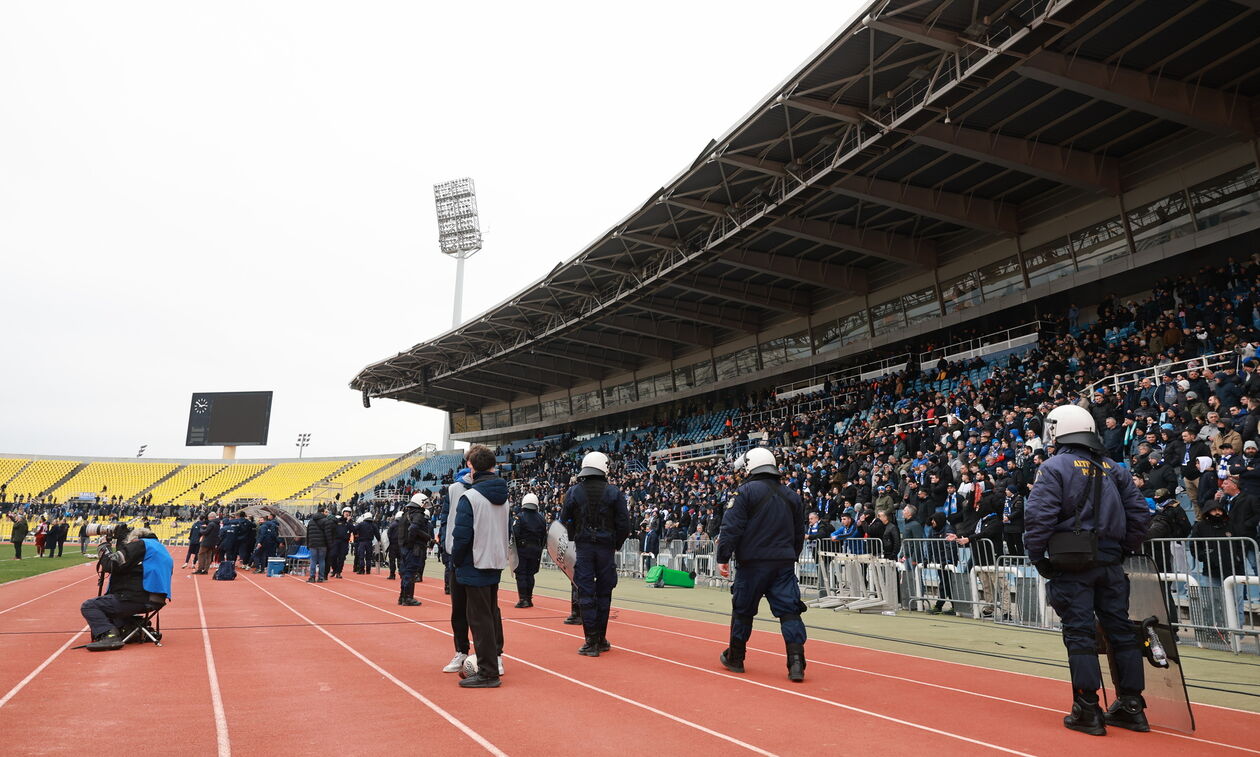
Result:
pixel 1013 521
pixel 194 541
pixel 20 529
pixel 392 550
pixel 318 537
pixel 209 543
pixel 246 539
pixel 529 533
pixel 339 542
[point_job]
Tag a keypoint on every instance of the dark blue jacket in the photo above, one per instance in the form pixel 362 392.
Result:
pixel 495 490
pixel 758 525
pixel 614 526
pixel 268 533
pixel 529 532
pixel 1121 520
pixel 229 533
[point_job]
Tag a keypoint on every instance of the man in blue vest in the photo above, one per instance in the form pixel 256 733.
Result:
pixel 140 579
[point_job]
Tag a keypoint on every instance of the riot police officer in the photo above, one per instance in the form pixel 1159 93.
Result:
pixel 340 546
pixel 414 535
pixel 1083 513
pixel 598 523
pixel 391 548
pixel 365 535
pixel 530 533
pixel 764 529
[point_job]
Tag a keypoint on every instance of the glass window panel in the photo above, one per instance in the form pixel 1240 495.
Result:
pixel 854 326
pixel 524 414
pixel 1099 244
pixel 774 352
pixel 961 292
pixel 1000 278
pixel 1226 197
pixel 726 367
pixel 1160 221
pixel 888 317
pixel 498 418
pixel 921 306
pixel 827 336
pixel 797 346
pixel 664 384
pixel 647 390
pixel 683 378
pixel 746 360
pixel 1049 261
pixel 703 373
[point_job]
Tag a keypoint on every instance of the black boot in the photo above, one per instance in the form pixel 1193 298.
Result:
pixel 523 603
pixel 574 618
pixel 106 642
pixel 796 662
pixel 1086 715
pixel 591 647
pixel 603 644
pixel 408 598
pixel 733 656
pixel 1127 712
pixel 391 577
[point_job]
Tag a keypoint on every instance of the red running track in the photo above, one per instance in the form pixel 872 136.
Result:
pixel 289 666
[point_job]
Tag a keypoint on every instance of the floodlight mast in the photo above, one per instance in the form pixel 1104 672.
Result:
pixel 459 237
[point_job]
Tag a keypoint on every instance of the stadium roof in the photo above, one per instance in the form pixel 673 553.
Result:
pixel 924 130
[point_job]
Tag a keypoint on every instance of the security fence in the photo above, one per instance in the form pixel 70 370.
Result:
pixel 1211 586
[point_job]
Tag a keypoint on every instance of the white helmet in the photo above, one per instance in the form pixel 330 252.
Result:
pixel 419 499
pixel 530 501
pixel 759 460
pixel 594 464
pixel 1072 424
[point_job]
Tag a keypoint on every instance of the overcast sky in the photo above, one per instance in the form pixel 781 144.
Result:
pixel 238 195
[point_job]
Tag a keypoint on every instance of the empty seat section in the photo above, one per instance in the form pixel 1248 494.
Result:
pixel 231 475
pixel 110 479
pixel 39 476
pixel 284 480
pixel 179 488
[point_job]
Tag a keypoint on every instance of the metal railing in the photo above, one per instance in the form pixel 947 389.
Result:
pixel 1016 336
pixel 686 453
pixel 1215 361
pixel 862 372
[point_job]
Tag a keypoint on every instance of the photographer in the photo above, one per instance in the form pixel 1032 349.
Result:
pixel 140 578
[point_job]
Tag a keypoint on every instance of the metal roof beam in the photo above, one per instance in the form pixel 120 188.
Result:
pixel 661 243
pixel 562 367
pixel 778 299
pixel 515 369
pixel 845 113
pixel 896 248
pixel 1202 108
pixel 682 333
pixel 1064 165
pixel 653 349
pixel 482 392
pixel 479 379
pixel 941 39
pixel 767 166
pixel 718 317
pixel 964 210
pixel 604 358
pixel 840 278
pixel 700 206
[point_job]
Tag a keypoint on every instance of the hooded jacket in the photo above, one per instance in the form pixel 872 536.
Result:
pixel 479 532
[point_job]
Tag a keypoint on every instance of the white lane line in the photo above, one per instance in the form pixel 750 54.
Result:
pixel 31 676
pixel 810 697
pixel 41 596
pixel 485 744
pixel 635 703
pixel 216 697
pixel 41 575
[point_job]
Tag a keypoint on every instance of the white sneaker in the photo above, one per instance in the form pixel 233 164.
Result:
pixel 455 664
pixel 500 665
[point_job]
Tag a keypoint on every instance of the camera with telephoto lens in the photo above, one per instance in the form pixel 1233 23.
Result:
pixel 110 531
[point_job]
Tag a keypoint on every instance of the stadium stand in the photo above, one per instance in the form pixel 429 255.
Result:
pixel 125 480
pixel 287 480
pixel 183 481
pixel 9 466
pixel 39 477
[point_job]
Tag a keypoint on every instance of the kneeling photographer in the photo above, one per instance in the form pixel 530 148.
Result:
pixel 140 579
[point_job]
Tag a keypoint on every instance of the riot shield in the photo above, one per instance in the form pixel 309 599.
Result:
pixel 563 552
pixel 1167 702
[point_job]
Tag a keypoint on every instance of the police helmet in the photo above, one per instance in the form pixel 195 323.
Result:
pixel 418 500
pixel 530 502
pixel 594 464
pixel 759 460
pixel 1072 424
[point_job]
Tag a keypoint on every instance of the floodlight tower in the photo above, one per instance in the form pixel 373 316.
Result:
pixel 459 237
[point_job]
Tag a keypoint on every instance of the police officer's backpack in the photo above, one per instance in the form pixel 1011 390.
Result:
pixel 226 571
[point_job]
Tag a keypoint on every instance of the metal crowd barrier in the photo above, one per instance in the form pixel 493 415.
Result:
pixel 1211 587
pixel 853 575
pixel 940 571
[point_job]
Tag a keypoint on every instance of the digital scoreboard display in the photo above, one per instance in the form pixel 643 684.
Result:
pixel 229 419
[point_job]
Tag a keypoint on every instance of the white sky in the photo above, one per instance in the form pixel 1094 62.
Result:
pixel 238 195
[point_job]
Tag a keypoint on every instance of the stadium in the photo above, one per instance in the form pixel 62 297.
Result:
pixel 948 222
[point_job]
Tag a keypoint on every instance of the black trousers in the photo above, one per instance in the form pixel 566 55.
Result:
pixel 1084 601
pixel 107 611
pixel 528 562
pixel 459 615
pixel 17 550
pixel 486 623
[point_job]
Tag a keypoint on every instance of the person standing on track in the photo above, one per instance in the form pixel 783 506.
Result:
pixel 415 533
pixel 1081 496
pixel 268 542
pixel 530 533
pixel 339 545
pixel 365 535
pixel 764 529
pixel 479 552
pixel 598 523
pixel 446 534
pixel 318 532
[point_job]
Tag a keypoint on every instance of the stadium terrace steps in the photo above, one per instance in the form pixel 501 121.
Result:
pixel 250 477
pixel 229 478
pixel 186 479
pixel 11 467
pixel 390 471
pixel 73 471
pixel 169 475
pixel 285 481
pixel 108 479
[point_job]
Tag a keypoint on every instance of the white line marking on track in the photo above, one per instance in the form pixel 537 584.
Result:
pixel 649 708
pixel 31 676
pixel 216 697
pixel 485 744
pixel 39 575
pixel 41 596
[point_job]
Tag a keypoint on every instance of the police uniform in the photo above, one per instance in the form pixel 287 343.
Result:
pixel 763 528
pixel 365 534
pixel 268 541
pixel 529 532
pixel 340 547
pixel 598 522
pixel 414 534
pixel 1098 595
